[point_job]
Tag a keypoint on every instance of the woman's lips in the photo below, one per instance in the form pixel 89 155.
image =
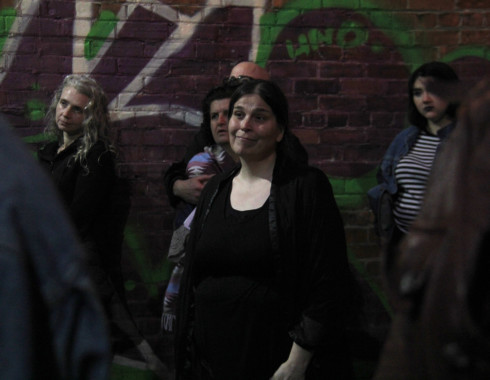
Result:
pixel 246 138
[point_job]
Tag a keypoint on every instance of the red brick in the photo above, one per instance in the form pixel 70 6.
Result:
pixel 477 20
pixel 474 37
pixel 307 136
pixel 438 5
pixel 449 20
pixel 362 86
pixel 472 4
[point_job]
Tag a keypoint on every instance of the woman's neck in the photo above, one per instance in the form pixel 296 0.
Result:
pixel 435 126
pixel 252 185
pixel 257 170
pixel 68 140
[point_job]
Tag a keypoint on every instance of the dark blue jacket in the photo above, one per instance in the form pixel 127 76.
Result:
pixel 51 323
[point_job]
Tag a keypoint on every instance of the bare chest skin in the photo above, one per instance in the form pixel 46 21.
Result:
pixel 249 195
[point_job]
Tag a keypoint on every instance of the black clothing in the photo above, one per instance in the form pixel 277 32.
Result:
pixel 98 205
pixel 85 189
pixel 311 273
pixel 236 305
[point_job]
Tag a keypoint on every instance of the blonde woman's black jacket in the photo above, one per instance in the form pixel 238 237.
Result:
pixel 85 190
pixel 308 239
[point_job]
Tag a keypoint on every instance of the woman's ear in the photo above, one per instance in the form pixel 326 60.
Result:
pixel 280 136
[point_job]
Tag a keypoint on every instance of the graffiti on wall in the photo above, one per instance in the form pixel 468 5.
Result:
pixel 343 68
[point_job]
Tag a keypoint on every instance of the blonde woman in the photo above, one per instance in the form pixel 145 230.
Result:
pixel 81 162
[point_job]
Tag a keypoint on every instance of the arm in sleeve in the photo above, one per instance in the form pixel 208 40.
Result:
pixel 326 281
pixel 178 169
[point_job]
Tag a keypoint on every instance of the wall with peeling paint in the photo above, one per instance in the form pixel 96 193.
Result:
pixel 342 63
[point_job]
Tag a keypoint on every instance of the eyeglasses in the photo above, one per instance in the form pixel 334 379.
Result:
pixel 236 81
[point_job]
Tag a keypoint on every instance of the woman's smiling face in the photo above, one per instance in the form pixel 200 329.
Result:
pixel 254 132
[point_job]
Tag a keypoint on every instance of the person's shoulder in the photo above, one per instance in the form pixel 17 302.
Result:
pixel 100 148
pixel 101 154
pixel 308 177
pixel 411 130
pixel 48 149
pixel 200 158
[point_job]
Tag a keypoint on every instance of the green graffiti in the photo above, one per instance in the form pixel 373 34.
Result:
pixel 468 51
pixel 273 23
pixel 35 109
pixel 303 47
pixel 359 267
pixel 350 193
pixel 351 34
pixel 39 138
pixel 151 274
pixel 7 18
pixel 99 32
pixel 316 38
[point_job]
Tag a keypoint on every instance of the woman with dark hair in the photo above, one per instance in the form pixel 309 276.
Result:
pixel 406 166
pixel 266 282
pixel 217 157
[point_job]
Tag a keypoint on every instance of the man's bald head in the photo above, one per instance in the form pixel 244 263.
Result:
pixel 249 69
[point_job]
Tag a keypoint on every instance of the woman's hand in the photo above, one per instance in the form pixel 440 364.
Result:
pixel 190 189
pixel 288 372
pixel 295 367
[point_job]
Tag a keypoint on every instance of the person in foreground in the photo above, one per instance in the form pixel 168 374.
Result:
pixel 81 162
pixel 404 169
pixel 266 282
pixel 52 325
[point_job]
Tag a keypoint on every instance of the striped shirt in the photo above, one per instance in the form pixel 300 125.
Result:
pixel 412 173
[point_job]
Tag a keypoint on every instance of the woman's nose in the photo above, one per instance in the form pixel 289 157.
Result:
pixel 223 119
pixel 426 96
pixel 245 123
pixel 66 112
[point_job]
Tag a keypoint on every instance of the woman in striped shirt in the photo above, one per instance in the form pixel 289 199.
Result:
pixel 406 166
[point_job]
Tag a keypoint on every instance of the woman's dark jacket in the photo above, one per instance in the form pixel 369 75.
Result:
pixel 85 189
pixel 310 259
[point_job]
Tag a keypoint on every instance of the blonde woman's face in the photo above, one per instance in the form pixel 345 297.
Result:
pixel 70 111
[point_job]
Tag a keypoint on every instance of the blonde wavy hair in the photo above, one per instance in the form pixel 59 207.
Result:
pixel 96 122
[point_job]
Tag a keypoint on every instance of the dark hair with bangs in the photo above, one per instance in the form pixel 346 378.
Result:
pixel 271 94
pixel 443 75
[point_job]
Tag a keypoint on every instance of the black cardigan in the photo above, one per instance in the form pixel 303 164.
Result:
pixel 308 239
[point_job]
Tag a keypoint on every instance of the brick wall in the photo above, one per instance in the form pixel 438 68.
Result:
pixel 343 65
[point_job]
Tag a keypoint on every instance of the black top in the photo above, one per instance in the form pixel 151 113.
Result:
pixel 238 329
pixel 85 189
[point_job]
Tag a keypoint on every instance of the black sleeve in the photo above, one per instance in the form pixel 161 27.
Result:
pixel 178 169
